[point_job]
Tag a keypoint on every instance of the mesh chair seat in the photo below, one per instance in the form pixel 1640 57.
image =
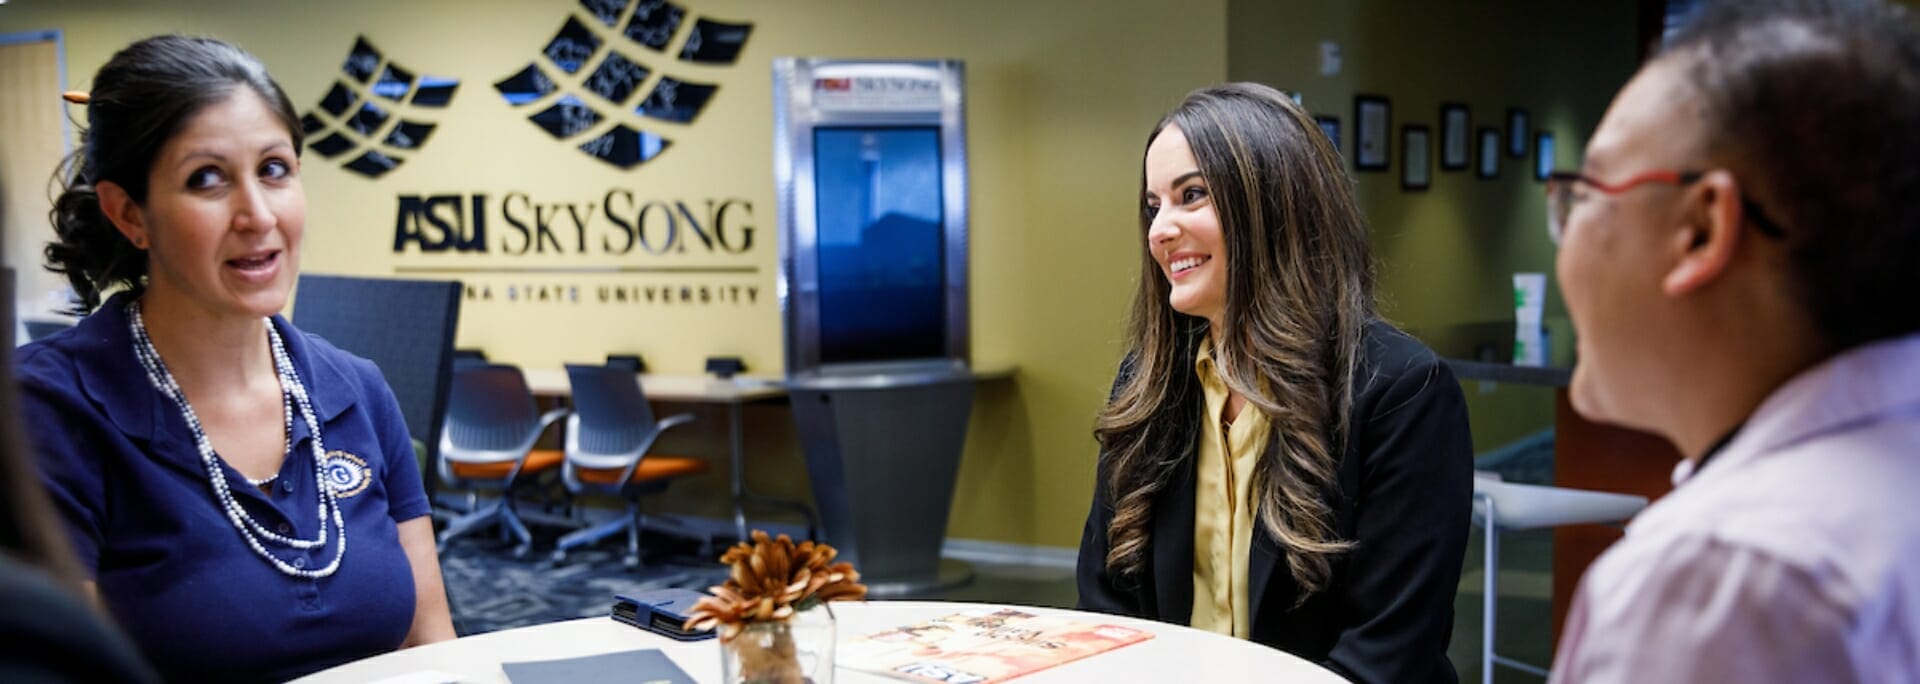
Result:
pixel 538 461
pixel 653 467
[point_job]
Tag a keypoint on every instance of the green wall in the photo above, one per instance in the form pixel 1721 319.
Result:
pixel 1447 254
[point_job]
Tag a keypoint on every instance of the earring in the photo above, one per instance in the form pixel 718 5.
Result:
pixel 140 243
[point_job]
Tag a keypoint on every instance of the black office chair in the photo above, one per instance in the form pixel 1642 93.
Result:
pixel 469 357
pixel 405 327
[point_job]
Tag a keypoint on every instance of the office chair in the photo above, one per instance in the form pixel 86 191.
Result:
pixel 608 437
pixel 406 327
pixel 492 425
pixel 469 357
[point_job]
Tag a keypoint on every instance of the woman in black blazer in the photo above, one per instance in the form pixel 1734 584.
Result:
pixel 1333 523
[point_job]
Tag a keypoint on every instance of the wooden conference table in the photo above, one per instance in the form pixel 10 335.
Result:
pixel 734 393
pixel 1177 654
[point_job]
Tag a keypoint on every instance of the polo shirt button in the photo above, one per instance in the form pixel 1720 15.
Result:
pixel 300 562
pixel 285 528
pixel 286 487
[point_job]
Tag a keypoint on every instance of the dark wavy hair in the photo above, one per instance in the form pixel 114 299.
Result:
pixel 1815 106
pixel 1299 292
pixel 143 96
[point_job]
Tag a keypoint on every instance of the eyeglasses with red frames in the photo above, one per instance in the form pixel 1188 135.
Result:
pixel 1560 197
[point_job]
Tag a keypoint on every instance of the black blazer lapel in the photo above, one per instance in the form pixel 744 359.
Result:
pixel 1261 561
pixel 1173 547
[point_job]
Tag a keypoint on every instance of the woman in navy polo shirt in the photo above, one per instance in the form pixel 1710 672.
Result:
pixel 243 494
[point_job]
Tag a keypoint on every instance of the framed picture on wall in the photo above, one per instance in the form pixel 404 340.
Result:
pixel 1373 126
pixel 1519 126
pixel 1489 153
pixel 1330 125
pixel 1543 155
pixel 1416 158
pixel 1455 131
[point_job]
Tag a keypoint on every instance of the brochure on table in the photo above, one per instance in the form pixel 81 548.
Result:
pixel 981 646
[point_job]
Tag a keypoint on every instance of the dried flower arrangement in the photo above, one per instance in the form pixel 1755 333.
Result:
pixel 771 581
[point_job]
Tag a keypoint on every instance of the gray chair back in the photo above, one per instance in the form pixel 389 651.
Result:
pixel 613 415
pixel 491 409
pixel 406 327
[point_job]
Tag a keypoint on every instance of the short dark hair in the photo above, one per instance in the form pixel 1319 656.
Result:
pixel 1815 106
pixel 140 99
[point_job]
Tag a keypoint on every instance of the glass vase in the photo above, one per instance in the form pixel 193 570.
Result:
pixel 798 650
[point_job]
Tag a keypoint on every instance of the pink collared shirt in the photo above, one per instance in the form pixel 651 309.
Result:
pixel 1793 556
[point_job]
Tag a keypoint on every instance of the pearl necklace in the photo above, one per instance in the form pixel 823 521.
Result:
pixel 292 394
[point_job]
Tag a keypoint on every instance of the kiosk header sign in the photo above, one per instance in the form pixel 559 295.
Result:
pixel 908 91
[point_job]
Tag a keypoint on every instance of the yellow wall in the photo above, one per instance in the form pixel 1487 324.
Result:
pixel 1060 95
pixel 1447 255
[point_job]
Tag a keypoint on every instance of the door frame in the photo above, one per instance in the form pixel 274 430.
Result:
pixel 59 39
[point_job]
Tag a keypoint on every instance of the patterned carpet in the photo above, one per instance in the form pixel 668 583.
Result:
pixel 492 590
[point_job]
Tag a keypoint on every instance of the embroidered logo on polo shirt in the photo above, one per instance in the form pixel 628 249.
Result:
pixel 346 473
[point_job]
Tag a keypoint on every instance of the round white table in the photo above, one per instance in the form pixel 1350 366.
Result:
pixel 1175 653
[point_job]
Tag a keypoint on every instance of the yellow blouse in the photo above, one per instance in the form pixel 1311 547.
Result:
pixel 1223 516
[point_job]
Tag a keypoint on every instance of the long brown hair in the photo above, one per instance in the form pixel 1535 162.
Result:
pixel 1299 292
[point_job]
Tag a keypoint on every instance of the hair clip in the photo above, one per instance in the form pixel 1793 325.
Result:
pixel 76 97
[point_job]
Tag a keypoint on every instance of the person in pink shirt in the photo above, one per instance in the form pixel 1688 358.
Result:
pixel 1740 253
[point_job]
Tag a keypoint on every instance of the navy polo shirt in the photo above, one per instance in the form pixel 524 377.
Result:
pixel 126 476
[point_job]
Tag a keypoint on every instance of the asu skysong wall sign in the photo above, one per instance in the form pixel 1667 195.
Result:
pixel 611 82
pixel 614 227
pixel 620 224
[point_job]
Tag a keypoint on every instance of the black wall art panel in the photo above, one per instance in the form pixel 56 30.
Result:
pixel 602 83
pixel 349 122
pixel 601 88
